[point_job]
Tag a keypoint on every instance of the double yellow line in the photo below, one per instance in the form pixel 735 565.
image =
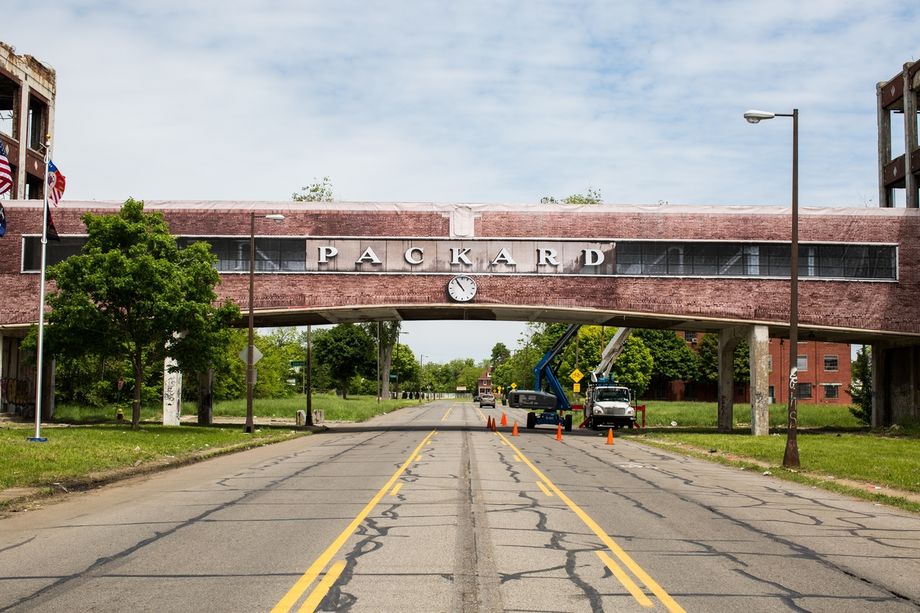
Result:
pixel 624 558
pixel 306 580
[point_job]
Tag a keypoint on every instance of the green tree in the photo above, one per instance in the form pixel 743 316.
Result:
pixel 708 362
pixel 347 350
pixel 591 196
pixel 132 293
pixel 634 366
pixel 500 353
pixel 318 191
pixel 673 359
pixel 861 387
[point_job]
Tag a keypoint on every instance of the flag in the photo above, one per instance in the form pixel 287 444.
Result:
pixel 56 184
pixel 6 175
pixel 51 231
pixel 2 220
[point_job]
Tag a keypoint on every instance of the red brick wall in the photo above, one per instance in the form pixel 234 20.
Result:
pixel 862 305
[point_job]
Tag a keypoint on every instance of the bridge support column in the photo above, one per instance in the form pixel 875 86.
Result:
pixel 728 341
pixel 759 343
pixel 172 393
pixel 880 406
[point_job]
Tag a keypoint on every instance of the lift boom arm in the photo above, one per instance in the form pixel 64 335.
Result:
pixel 544 368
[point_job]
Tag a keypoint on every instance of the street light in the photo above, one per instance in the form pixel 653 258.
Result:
pixel 791 455
pixel 250 349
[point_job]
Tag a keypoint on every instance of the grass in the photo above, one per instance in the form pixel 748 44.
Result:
pixel 355 408
pixel 72 453
pixel 704 415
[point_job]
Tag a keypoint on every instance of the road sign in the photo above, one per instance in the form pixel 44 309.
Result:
pixel 577 375
pixel 514 386
pixel 576 387
pixel 295 363
pixel 256 354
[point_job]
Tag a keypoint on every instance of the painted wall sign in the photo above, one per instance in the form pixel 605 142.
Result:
pixel 460 256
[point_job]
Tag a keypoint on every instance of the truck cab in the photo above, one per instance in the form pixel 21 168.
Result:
pixel 609 404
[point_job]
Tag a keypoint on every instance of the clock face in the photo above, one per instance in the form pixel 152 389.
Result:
pixel 462 288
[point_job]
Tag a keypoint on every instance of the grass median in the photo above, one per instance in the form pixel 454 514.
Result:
pixel 73 455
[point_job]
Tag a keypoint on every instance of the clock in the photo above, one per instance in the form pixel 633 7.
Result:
pixel 461 288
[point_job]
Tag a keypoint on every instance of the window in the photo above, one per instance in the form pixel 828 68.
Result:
pixel 58 251
pixel 831 391
pixel 772 394
pixel 801 362
pixel 717 259
pixel 690 337
pixel 769 363
pixel 830 363
pixel 272 254
pixel 803 390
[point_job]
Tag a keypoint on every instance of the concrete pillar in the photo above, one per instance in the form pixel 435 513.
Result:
pixel 2 389
pixel 728 341
pixel 172 393
pixel 759 343
pixel 48 390
pixel 206 397
pixel 880 406
pixel 910 139
pixel 23 141
pixel 884 148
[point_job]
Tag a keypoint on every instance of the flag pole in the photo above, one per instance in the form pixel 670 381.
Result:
pixel 38 438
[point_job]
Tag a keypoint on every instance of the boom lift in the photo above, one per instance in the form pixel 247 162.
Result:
pixel 550 404
pixel 606 401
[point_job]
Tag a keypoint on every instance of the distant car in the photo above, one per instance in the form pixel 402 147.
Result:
pixel 487 400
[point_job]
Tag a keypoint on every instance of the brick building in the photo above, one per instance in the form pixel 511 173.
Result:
pixel 824 372
pixel 27 90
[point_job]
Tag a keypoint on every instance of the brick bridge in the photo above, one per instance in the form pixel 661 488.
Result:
pixel 703 268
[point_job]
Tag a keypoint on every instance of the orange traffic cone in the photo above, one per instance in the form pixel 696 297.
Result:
pixel 488 423
pixel 514 430
pixel 610 436
pixel 559 432
pixel 504 420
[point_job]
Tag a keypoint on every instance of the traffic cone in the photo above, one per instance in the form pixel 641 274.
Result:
pixel 514 431
pixel 504 420
pixel 488 423
pixel 610 436
pixel 559 432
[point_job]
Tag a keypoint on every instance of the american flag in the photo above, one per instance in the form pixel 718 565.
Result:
pixel 6 175
pixel 56 183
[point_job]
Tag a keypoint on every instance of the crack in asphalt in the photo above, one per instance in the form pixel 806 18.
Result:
pixel 801 551
pixel 71 581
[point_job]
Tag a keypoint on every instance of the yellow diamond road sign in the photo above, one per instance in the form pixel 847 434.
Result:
pixel 514 386
pixel 577 375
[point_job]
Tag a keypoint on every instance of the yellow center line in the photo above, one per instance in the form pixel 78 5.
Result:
pixel 481 414
pixel 395 489
pixel 316 597
pixel 418 458
pixel 517 458
pixel 627 582
pixel 618 551
pixel 293 595
pixel 446 414
pixel 543 487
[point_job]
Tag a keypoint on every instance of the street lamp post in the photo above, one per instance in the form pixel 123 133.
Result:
pixel 791 455
pixel 250 348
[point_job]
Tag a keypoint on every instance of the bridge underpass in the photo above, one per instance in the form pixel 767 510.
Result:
pixel 709 269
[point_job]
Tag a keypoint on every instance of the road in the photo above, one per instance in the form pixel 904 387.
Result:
pixel 425 510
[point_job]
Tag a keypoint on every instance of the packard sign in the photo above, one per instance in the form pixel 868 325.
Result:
pixel 399 255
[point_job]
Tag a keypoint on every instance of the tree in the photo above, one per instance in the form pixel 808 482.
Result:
pixel 318 191
pixel 347 350
pixel 500 353
pixel 634 366
pixel 861 387
pixel 673 360
pixel 591 196
pixel 131 292
pixel 708 363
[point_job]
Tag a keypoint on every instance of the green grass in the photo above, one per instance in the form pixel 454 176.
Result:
pixel 704 415
pixel 71 453
pixel 355 408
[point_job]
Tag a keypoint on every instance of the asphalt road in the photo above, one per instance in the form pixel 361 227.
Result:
pixel 425 510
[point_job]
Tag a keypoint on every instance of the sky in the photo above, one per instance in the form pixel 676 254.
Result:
pixel 492 101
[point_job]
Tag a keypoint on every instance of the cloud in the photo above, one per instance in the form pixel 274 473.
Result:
pixel 479 101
